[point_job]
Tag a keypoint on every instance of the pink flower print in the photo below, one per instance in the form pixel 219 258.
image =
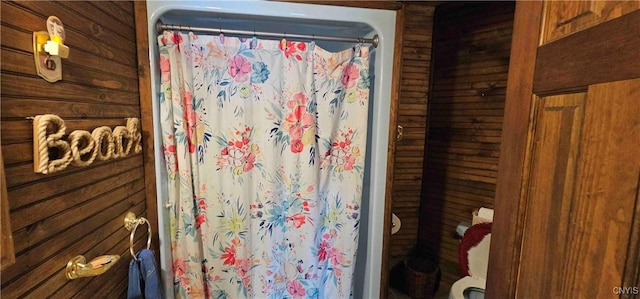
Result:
pixel 337 271
pixel 296 123
pixel 200 219
pixel 246 282
pixel 190 117
pixel 296 132
pixel 298 220
pixel 290 49
pixel 335 257
pixel 176 38
pixel 350 76
pixel 239 68
pixel 306 119
pixel 300 117
pixel 349 161
pixel 322 251
pixel 165 69
pixel 202 204
pixel 229 255
pixel 296 146
pixel 190 114
pixel 296 289
pixel 242 267
pixel 305 205
pixel 179 268
pixel 299 99
pixel 248 162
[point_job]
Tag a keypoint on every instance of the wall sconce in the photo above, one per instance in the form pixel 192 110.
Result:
pixel 48 49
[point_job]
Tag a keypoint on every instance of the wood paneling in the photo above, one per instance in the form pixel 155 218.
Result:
pixel 8 253
pixel 566 17
pixel 599 250
pixel 590 201
pixel 77 211
pixel 146 120
pixel 503 260
pixel 466 106
pixel 391 152
pixel 412 116
pixel 558 66
pixel 556 145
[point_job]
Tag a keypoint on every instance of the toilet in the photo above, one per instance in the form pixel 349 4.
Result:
pixel 473 256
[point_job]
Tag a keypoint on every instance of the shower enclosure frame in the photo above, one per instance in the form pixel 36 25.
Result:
pixel 367 282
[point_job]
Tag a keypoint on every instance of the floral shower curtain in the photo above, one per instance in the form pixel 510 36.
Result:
pixel 264 143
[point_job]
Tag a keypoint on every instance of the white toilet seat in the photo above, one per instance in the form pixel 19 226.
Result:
pixel 458 287
pixel 473 255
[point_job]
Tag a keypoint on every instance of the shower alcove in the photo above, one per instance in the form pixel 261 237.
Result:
pixel 291 18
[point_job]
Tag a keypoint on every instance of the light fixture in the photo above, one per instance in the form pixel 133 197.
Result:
pixel 49 48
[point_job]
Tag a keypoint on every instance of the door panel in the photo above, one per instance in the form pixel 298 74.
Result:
pixel 607 181
pixel 567 204
pixel 566 17
pixel 551 184
pixel 578 216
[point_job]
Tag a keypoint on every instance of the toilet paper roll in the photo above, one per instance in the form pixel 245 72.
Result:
pixel 486 213
pixel 395 224
pixel 482 215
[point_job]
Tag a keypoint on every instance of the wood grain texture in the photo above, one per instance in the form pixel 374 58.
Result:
pixel 591 203
pixel 8 257
pixel 412 106
pixel 556 144
pixel 391 152
pixel 502 271
pixel 606 190
pixel 79 210
pixel 466 107
pixel 562 18
pixel 632 267
pixel 569 63
pixel 25 20
pixel 146 119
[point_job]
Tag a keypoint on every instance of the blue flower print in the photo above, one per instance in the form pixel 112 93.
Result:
pixel 260 72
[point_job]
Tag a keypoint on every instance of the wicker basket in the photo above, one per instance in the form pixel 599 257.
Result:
pixel 422 277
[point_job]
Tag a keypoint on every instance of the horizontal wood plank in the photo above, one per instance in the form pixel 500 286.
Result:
pixel 563 67
pixel 471 49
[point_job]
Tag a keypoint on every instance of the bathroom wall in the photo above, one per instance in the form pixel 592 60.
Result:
pixel 77 211
pixel 412 116
pixel 471 59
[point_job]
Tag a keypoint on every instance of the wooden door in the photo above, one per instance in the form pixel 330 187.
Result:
pixel 567 219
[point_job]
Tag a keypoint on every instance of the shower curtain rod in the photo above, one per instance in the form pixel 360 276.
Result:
pixel 374 41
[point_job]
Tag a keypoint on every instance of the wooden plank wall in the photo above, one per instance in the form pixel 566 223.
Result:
pixel 472 42
pixel 412 116
pixel 78 211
